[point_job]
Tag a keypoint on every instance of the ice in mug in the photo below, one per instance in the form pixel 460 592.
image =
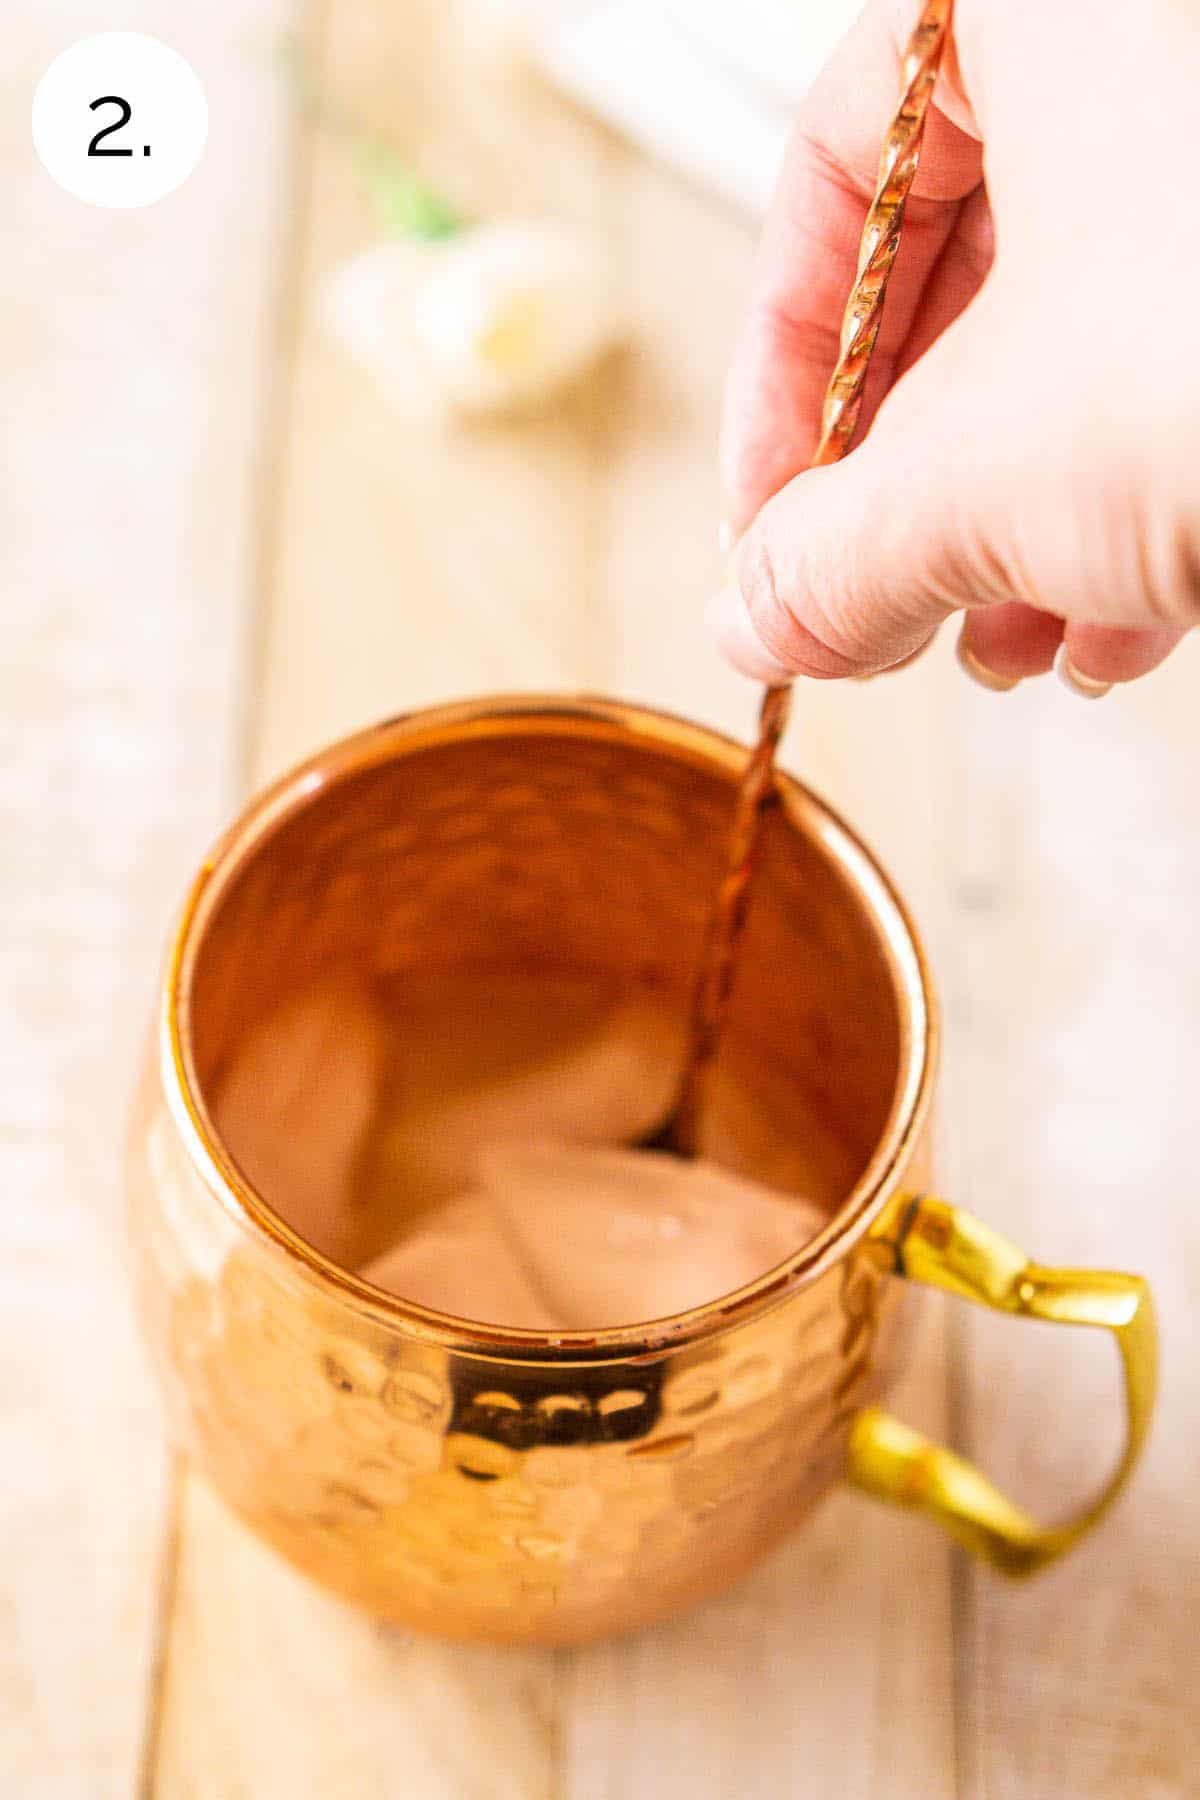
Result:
pixel 485 1173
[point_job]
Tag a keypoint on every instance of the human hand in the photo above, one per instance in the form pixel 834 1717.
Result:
pixel 1033 399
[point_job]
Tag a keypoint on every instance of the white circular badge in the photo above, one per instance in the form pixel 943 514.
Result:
pixel 119 119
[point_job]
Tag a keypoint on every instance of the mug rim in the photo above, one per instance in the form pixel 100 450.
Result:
pixel 615 720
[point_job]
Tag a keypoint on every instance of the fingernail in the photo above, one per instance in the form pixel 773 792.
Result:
pixel 1083 685
pixel 979 671
pixel 738 641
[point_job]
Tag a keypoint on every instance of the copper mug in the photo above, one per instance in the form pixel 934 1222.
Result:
pixel 514 1485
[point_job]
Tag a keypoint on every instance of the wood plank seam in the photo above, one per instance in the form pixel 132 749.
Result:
pixel 165 1587
pixel 278 405
pixel 280 354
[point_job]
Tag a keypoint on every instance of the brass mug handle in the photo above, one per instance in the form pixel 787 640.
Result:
pixel 942 1247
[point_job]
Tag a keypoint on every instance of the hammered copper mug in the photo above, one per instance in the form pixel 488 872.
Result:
pixel 514 1485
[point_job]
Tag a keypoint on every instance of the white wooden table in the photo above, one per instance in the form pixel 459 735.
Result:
pixel 219 548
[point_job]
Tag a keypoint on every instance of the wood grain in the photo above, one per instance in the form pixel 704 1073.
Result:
pixel 126 551
pixel 275 1689
pixel 419 559
pixel 1079 983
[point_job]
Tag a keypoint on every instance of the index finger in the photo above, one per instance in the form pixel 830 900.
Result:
pixel 807 259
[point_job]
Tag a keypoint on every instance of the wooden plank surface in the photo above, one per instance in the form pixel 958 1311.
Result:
pixel 133 354
pixel 1078 984
pixel 417 560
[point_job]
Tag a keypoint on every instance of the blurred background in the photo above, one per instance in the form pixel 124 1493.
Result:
pixel 256 493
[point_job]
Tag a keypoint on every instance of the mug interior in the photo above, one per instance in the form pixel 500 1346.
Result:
pixel 499 883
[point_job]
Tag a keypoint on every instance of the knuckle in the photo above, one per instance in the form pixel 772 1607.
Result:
pixel 810 645
pixel 1154 551
pixel 1189 564
pixel 1171 580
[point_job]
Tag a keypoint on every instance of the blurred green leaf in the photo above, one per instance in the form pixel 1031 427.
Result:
pixel 405 206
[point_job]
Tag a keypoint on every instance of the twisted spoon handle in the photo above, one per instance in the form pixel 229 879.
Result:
pixel 881 233
pixel 757 790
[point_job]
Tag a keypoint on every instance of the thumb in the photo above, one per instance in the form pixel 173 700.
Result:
pixel 850 569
